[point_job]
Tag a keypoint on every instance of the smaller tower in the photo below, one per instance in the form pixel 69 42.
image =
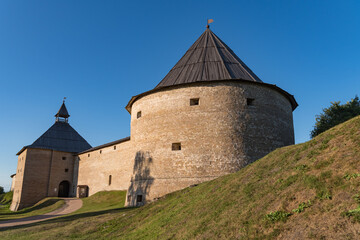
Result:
pixel 47 168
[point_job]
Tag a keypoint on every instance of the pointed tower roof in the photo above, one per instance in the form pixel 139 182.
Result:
pixel 208 59
pixel 60 136
pixel 63 112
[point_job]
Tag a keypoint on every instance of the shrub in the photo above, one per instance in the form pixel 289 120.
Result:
pixel 302 207
pixel 277 216
pixel 335 114
pixel 1 190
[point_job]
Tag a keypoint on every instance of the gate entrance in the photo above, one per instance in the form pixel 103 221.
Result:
pixel 83 191
pixel 64 188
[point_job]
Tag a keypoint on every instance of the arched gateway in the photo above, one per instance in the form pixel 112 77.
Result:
pixel 64 188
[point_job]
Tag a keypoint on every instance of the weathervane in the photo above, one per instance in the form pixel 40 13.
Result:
pixel 208 22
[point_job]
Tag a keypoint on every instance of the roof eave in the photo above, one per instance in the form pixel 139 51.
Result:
pixel 23 149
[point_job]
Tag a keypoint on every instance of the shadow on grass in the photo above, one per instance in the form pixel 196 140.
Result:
pixel 68 218
pixel 44 204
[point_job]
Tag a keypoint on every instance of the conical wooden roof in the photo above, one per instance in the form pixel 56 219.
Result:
pixel 208 59
pixel 63 112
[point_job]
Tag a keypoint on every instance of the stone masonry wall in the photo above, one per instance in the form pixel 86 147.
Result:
pixel 219 136
pixel 96 166
pixel 18 186
pixel 40 173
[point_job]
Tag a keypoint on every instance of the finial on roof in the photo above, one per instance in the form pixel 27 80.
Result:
pixel 208 22
pixel 62 115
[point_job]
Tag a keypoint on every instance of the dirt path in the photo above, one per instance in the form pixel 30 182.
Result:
pixel 71 205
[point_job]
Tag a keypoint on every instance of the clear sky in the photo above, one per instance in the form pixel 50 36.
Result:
pixel 100 53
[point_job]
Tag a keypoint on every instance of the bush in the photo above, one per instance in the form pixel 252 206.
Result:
pixel 335 114
pixel 277 216
pixel 1 190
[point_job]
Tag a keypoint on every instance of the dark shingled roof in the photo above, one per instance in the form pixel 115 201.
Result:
pixel 60 137
pixel 208 59
pixel 62 112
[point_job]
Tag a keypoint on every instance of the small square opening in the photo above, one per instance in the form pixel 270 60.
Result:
pixel 63 158
pixel 250 101
pixel 176 146
pixel 138 115
pixel 66 170
pixel 139 198
pixel 194 101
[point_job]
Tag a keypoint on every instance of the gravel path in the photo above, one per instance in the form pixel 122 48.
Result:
pixel 71 205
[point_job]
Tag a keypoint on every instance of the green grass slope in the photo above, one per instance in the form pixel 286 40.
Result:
pixel 44 206
pixel 305 191
pixel 96 209
pixel 6 198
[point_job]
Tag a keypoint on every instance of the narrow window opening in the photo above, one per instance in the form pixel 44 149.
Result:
pixel 100 151
pixel 63 158
pixel 250 101
pixel 110 180
pixel 66 170
pixel 114 147
pixel 138 115
pixel 176 147
pixel 89 155
pixel 139 198
pixel 194 101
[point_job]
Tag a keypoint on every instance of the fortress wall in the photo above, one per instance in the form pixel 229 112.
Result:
pixel 218 136
pixel 18 185
pixel 40 173
pixel 95 168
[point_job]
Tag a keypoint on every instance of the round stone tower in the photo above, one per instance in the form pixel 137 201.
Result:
pixel 210 116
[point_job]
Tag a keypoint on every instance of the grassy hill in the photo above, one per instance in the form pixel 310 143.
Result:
pixel 44 206
pixel 305 191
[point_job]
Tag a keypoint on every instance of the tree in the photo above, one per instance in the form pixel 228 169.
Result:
pixel 335 114
pixel 1 190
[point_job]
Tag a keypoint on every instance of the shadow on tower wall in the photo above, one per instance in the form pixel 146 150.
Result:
pixel 141 179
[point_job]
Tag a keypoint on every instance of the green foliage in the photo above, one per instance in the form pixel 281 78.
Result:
pixel 357 198
pixel 355 213
pixel 351 176
pixel 1 190
pixel 302 207
pixel 277 216
pixel 324 194
pixel 335 114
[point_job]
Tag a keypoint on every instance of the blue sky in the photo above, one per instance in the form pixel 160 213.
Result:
pixel 100 53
